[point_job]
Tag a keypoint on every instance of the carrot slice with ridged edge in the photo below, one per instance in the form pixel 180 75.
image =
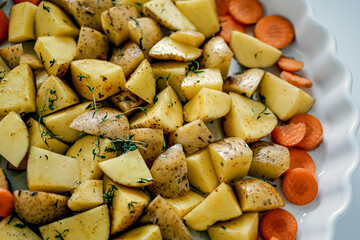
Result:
pixel 301 159
pixel 275 30
pixel 314 131
pixel 228 24
pixel 246 11
pixel 278 224
pixel 290 64
pixel 289 135
pixel 299 186
pixel 296 79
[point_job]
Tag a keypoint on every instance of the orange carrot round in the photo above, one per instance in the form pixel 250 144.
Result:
pixel 301 159
pixel 299 186
pixel 314 131
pixel 296 79
pixel 6 202
pixel 278 224
pixel 290 64
pixel 289 135
pixel 228 24
pixel 223 7
pixel 275 30
pixel 246 11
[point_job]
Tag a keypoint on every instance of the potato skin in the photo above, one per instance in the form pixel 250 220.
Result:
pixel 91 44
pixel 39 208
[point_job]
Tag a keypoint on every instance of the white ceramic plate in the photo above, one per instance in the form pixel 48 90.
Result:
pixel 338 155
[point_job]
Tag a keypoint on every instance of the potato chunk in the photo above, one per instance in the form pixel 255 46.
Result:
pixel 14 138
pixel 147 232
pixel 231 158
pixel 183 205
pixel 220 205
pixel 87 195
pixel 11 55
pixel 21 22
pixel 244 83
pixel 91 44
pixel 126 101
pixel 33 61
pixel 9 230
pixel 39 208
pixel 192 38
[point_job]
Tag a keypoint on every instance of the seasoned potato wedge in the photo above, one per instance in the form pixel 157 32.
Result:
pixel 269 161
pixel 11 55
pixel 33 61
pixel 147 232
pixel 256 195
pixel 9 230
pixel 169 172
pixel 87 195
pixel 244 83
pixel 3 180
pixel 108 122
pixel 126 101
pixel 220 205
pixel 92 224
pixel 39 208
pixel 192 136
pixel 172 18
pixel 192 38
pixel 14 138
pixel 91 44
pixel 128 57
pixel 169 49
pixel 159 212
pixel 183 205
pixel 21 22
pixel 40 76
pixel 248 119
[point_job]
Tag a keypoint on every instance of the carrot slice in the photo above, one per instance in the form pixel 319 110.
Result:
pixel 275 30
pixel 290 64
pixel 314 131
pixel 289 135
pixel 296 79
pixel 278 224
pixel 4 26
pixel 228 24
pixel 301 159
pixel 299 186
pixel 223 7
pixel 6 202
pixel 246 11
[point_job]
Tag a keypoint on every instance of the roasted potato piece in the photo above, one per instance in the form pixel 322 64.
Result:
pixel 245 83
pixel 3 180
pixel 50 20
pixel 14 138
pixel 269 161
pixel 202 14
pixel 108 122
pixel 207 105
pixel 92 44
pixel 45 171
pixel 244 227
pixel 192 38
pixel 165 114
pixel 114 22
pixel 154 139
pixel 220 205
pixel 231 158
pixel 118 169
pixel 51 52
pixel 169 49
pixel 256 195
pixel 248 119
pixel 194 82
pixel 126 101
pixel 128 57
pixel 97 79
pixel 217 54
pixel 40 76
pixel 9 229
pixel 33 61
pixel 251 52
pixel 284 99
pixel 192 136
pixel 184 204
pixel 11 55
pixel 18 94
pixel 169 172
pixel 21 22
pixel 201 171
pixel 127 204
pixel 54 95
pixel 172 18
pixel 87 195
pixel 92 224
pixel 39 208
pixel 147 232
pixel 137 3
pixel 159 212
pixel 142 82
pixel 89 151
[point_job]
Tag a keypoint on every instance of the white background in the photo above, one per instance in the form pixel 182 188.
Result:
pixel 342 19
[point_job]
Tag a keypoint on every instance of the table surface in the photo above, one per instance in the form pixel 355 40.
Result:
pixel 342 18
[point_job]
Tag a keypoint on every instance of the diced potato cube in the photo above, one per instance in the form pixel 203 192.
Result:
pixel 12 54
pixel 192 38
pixel 183 205
pixel 87 195
pixel 91 44
pixel 33 61
pixel 21 22
pixel 126 101
pixel 245 83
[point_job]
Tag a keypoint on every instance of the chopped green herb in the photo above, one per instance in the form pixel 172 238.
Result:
pixel 262 112
pixel 52 62
pixel 19 225
pixel 45 7
pixel 164 145
pixel 139 4
pixel 61 235
pixel 193 67
pixel 41 59
pixel 110 194
pixel 223 227
pixel 144 180
pixel 140 43
pixel 131 204
pixel 155 99
pixel 136 23
pixel 256 54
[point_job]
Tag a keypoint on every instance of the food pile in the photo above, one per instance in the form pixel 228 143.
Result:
pixel 129 126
